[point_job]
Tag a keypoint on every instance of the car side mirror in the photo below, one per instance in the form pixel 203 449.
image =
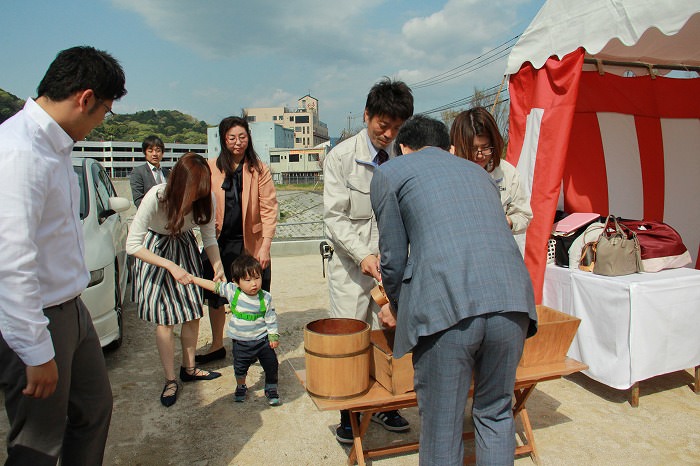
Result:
pixel 119 204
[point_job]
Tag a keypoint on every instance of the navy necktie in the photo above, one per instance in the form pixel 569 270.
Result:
pixel 382 156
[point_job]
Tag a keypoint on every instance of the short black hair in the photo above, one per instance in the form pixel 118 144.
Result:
pixel 152 141
pixel 393 99
pixel 245 266
pixel 81 68
pixel 420 131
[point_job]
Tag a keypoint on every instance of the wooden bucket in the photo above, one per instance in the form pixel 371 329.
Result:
pixel 337 358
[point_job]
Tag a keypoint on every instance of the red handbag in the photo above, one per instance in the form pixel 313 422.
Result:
pixel 661 245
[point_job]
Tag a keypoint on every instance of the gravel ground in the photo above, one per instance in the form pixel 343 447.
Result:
pixel 576 420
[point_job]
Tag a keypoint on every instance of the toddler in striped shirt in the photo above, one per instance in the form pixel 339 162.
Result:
pixel 253 324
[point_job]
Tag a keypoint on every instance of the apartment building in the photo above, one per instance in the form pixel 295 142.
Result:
pixel 309 130
pixel 294 166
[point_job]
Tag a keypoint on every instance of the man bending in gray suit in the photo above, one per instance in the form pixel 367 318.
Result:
pixel 459 293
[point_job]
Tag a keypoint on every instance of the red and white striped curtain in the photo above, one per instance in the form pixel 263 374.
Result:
pixel 629 146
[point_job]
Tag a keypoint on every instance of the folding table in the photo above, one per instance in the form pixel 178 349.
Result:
pixel 633 327
pixel 378 399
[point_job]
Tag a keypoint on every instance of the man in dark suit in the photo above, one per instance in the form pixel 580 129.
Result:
pixel 459 293
pixel 146 176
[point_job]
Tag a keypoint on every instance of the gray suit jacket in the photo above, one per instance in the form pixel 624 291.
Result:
pixel 463 260
pixel 141 180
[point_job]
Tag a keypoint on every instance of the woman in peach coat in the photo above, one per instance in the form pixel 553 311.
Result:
pixel 246 215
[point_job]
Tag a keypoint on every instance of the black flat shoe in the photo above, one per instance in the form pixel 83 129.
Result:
pixel 169 400
pixel 197 374
pixel 209 357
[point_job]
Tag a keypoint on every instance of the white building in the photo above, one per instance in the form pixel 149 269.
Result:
pixel 309 130
pixel 119 157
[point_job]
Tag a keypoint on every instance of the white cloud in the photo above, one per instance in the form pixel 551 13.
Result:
pixel 272 52
pixel 220 29
pixel 277 98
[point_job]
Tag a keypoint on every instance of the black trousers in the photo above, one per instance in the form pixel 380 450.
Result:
pixel 73 422
pixel 245 353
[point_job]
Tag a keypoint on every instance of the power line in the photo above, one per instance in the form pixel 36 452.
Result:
pixel 462 66
pixel 474 64
pixel 466 100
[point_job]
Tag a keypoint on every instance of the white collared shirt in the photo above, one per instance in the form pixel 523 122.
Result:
pixel 156 172
pixel 41 236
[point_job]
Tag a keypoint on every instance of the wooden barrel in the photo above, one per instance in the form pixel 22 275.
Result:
pixel 337 358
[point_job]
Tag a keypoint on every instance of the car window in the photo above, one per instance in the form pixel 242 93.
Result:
pixel 102 190
pixel 83 192
pixel 108 183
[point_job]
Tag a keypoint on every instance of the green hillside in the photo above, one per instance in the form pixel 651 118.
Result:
pixel 170 125
pixel 9 105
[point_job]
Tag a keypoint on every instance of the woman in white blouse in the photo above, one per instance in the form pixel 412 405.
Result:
pixel 475 136
pixel 162 240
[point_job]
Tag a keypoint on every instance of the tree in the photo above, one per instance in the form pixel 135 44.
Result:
pixel 481 98
pixel 170 125
pixel 9 105
pixel 499 110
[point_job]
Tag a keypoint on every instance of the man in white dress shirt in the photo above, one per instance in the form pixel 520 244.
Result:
pixel 151 173
pixel 52 371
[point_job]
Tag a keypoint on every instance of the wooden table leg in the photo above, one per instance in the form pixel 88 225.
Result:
pixel 521 396
pixel 358 432
pixel 634 395
pixel 696 389
pixel 529 436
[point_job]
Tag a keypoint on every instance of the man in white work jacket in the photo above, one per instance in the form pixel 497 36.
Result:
pixel 350 225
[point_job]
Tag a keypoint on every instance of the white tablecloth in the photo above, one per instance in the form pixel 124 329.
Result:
pixel 632 327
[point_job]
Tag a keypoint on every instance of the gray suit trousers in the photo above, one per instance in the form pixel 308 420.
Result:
pixel 489 347
pixel 71 424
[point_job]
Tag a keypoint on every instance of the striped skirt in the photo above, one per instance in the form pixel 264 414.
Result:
pixel 161 299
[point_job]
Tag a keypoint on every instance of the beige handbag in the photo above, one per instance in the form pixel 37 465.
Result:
pixel 617 250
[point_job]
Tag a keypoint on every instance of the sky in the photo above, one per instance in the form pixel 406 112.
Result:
pixel 212 58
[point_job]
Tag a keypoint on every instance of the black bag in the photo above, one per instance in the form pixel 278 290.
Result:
pixel 563 242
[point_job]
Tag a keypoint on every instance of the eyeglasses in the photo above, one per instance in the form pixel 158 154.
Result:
pixel 485 151
pixel 108 111
pixel 242 137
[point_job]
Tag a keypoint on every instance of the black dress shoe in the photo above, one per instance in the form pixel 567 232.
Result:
pixel 209 357
pixel 169 400
pixel 197 374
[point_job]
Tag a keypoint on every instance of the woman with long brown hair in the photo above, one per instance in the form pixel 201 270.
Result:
pixel 246 216
pixel 167 253
pixel 475 136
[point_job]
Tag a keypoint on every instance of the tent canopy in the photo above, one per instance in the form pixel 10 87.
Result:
pixel 610 144
pixel 655 32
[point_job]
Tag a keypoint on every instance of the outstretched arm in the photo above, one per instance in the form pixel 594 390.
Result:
pixel 204 283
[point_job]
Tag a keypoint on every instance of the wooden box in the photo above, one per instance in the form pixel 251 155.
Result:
pixel 396 375
pixel 555 332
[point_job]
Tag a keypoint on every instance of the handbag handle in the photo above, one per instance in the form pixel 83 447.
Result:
pixel 628 234
pixel 620 229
